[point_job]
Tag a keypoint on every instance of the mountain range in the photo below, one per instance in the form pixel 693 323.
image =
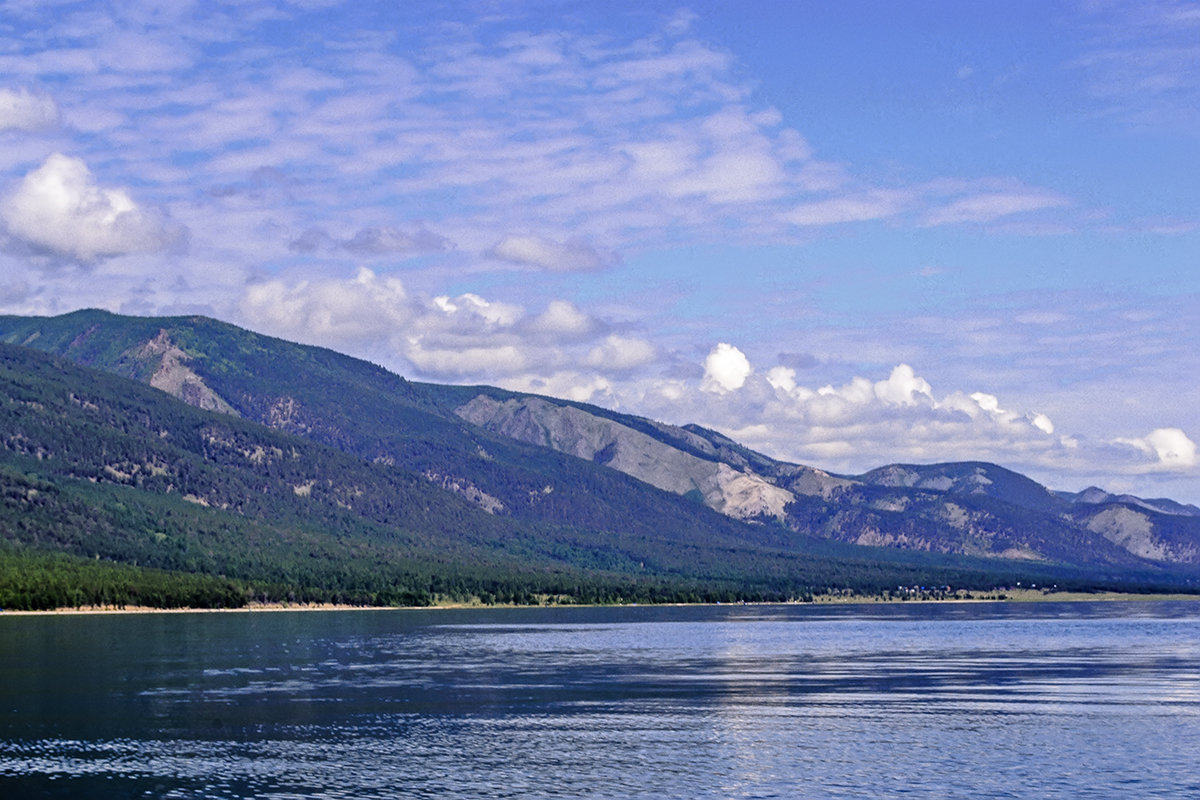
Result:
pixel 187 452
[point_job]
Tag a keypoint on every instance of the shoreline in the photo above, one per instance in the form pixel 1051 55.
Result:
pixel 1010 596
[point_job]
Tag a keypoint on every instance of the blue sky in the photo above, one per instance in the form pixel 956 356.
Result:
pixel 847 233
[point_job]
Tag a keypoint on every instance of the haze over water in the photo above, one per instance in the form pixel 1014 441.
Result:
pixel 914 700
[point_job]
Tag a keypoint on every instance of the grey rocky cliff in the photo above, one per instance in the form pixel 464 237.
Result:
pixel 734 492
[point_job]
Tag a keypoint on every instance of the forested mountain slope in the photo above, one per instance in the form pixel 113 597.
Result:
pixel 611 491
pixel 107 484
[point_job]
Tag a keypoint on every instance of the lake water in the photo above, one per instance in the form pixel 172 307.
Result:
pixel 911 700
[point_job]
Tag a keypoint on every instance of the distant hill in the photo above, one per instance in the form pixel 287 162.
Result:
pixel 968 478
pixel 1093 496
pixel 969 508
pixel 398 489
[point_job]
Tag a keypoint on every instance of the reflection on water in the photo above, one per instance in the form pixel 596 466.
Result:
pixel 975 701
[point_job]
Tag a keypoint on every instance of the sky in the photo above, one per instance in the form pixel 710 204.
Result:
pixel 846 234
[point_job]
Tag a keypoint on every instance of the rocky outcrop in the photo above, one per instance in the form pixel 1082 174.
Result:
pixel 1131 530
pixel 734 492
pixel 174 377
pixel 467 490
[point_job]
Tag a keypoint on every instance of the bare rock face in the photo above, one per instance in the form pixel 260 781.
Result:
pixel 468 490
pixel 898 475
pixel 1130 529
pixel 747 496
pixel 174 377
pixel 734 492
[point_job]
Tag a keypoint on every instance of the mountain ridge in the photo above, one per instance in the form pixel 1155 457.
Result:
pixel 522 457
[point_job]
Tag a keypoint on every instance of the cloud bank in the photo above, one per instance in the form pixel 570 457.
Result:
pixel 60 208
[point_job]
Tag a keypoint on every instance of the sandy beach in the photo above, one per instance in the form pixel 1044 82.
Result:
pixel 1009 596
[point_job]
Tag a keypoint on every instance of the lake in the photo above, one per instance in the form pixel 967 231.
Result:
pixel 916 700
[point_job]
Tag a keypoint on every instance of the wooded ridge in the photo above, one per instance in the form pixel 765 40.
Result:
pixel 185 461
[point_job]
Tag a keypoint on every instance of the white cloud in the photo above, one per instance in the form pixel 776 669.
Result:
pixel 1042 423
pixel 742 175
pixel 1171 447
pixel 22 110
pixel 572 255
pixel 551 150
pixel 988 402
pixel 859 424
pixel 330 312
pixel 782 378
pixel 571 385
pixel 660 160
pixel 902 386
pixel 992 206
pixel 861 208
pixel 471 305
pixel 563 317
pixel 464 361
pixel 621 353
pixel 963 403
pixel 464 337
pixel 725 369
pixel 60 208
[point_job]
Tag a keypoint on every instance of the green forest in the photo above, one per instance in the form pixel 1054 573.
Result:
pixel 115 493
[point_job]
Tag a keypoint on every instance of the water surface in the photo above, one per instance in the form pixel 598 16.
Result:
pixel 1073 700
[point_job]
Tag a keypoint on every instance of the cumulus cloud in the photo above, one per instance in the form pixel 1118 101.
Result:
pixel 460 337
pixel 450 336
pixel 60 208
pixel 1170 447
pixel 569 384
pixel 573 255
pixel 855 425
pixel 867 421
pixel 471 306
pixel 511 139
pixel 988 402
pixel 22 110
pixel 781 378
pixel 621 353
pixel 330 312
pixel 725 369
pixel 1042 423
pixel 902 387
pixel 564 318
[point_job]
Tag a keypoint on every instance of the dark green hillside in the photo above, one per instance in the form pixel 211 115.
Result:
pixel 367 412
pixel 329 477
pixel 98 471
